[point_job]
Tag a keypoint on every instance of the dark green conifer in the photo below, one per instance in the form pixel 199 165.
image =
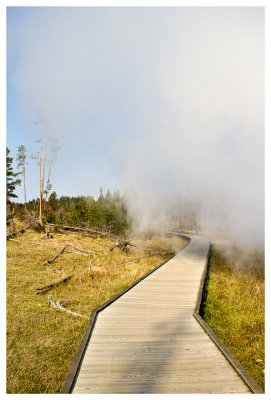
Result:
pixel 10 177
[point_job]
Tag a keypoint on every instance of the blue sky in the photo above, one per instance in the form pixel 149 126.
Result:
pixel 21 129
pixel 115 113
pixel 154 101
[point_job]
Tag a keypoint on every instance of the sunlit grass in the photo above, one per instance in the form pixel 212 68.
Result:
pixel 41 341
pixel 233 306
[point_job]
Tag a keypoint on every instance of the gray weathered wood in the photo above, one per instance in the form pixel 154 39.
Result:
pixel 53 258
pixel 148 341
pixel 59 306
pixel 9 235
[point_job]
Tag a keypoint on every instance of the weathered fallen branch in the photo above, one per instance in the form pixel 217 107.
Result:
pixel 123 245
pixel 77 252
pixel 48 234
pixel 59 306
pixel 47 287
pixel 91 232
pixel 87 251
pixel 77 228
pixel 63 231
pixel 92 262
pixel 52 259
pixel 79 248
pixel 9 235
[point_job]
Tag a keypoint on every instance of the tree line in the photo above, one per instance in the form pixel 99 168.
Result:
pixel 107 213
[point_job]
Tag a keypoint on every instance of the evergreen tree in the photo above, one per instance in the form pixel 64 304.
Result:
pixel 53 201
pixel 10 177
pixel 21 159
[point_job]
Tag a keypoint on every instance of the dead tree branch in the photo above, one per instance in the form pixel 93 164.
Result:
pixel 76 252
pixel 89 232
pixel 79 248
pixel 92 262
pixel 52 259
pixel 123 245
pixel 47 287
pixel 9 235
pixel 59 306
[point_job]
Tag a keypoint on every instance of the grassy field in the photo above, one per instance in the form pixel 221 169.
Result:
pixel 233 306
pixel 42 341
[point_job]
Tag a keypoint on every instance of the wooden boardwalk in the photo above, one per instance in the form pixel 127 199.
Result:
pixel 148 341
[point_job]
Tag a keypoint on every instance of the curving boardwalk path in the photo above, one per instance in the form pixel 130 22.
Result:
pixel 148 341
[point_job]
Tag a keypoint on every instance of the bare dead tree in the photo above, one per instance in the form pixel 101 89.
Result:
pixel 42 160
pixel 48 184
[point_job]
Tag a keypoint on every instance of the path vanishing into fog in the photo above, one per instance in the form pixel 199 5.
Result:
pixel 148 341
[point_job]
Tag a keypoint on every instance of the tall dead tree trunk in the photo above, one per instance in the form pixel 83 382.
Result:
pixel 42 171
pixel 24 191
pixel 196 226
pixel 48 185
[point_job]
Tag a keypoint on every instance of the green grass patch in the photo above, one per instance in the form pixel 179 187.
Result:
pixel 233 306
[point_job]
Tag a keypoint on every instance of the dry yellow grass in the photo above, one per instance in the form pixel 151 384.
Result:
pixel 41 341
pixel 233 306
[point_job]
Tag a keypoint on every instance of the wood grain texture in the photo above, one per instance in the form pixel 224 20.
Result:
pixel 148 341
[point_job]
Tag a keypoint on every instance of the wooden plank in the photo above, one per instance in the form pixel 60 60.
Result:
pixel 147 341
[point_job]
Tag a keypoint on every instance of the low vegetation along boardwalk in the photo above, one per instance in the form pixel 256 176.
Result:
pixel 148 341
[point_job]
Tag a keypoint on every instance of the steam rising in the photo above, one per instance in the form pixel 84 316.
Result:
pixel 172 98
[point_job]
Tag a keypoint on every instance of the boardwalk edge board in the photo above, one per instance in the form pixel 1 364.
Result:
pixel 241 371
pixel 70 379
pixel 69 382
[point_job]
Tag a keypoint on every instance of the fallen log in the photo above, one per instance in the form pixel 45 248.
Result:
pixel 53 258
pixel 59 306
pixel 78 228
pixel 9 235
pixel 94 232
pixel 47 287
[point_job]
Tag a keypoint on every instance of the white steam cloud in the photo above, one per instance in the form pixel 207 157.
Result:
pixel 172 97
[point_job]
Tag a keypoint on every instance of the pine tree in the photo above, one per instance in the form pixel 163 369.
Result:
pixel 53 201
pixel 10 177
pixel 21 159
